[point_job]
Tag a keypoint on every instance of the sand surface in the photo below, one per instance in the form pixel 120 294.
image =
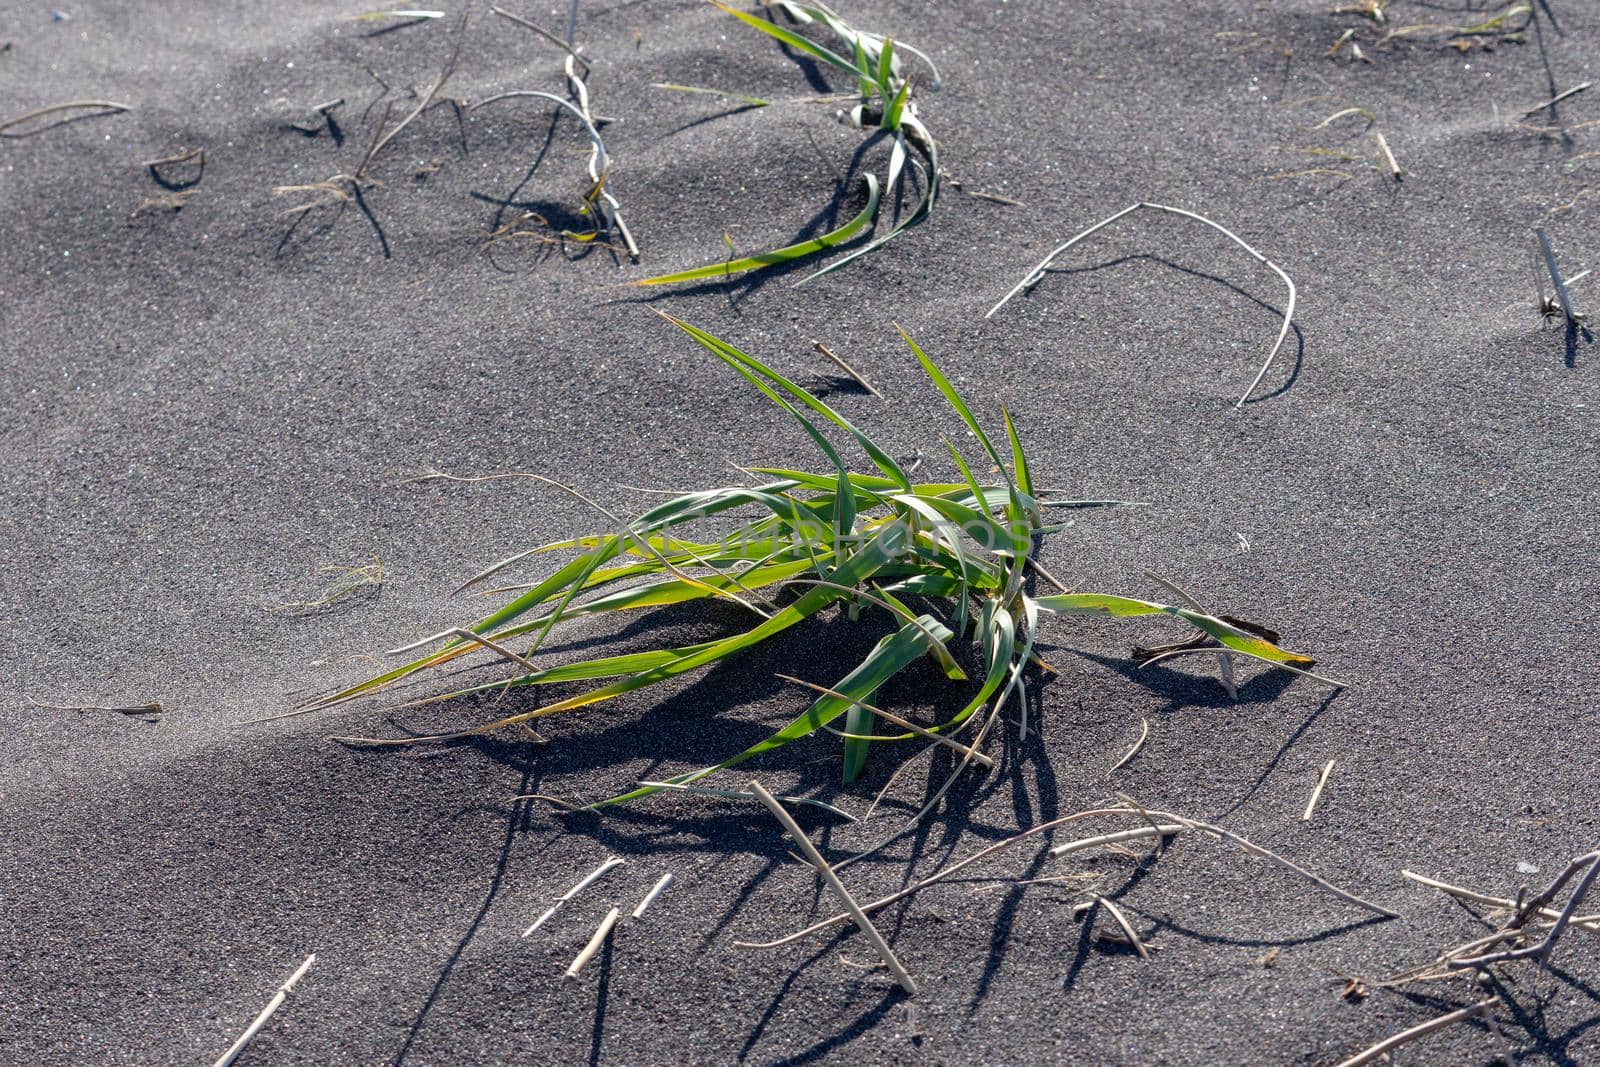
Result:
pixel 201 407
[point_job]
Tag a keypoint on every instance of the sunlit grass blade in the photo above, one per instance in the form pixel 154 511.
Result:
pixel 736 358
pixel 792 39
pixel 780 255
pixel 1225 632
pixel 1019 461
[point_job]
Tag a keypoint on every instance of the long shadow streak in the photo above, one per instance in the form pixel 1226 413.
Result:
pixel 1283 750
pixel 515 823
pixel 601 996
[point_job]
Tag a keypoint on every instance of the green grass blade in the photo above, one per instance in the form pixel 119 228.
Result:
pixel 924 208
pixel 844 513
pixel 734 356
pixel 863 66
pixel 952 397
pixel 885 70
pixel 582 671
pixel 780 255
pixel 1019 460
pixel 1124 607
pixel 896 109
pixel 793 40
pixel 876 554
pixel 678 591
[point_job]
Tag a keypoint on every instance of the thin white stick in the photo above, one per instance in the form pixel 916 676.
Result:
pixel 493 646
pixel 1127 927
pixel 1256 850
pixel 860 917
pixel 1583 922
pixel 1164 829
pixel 1555 276
pixel 1316 794
pixel 650 897
pixel 273 1005
pixel 1144 732
pixel 1388 1044
pixel 601 932
pixel 541 920
pixel 593 876
pixel 1037 275
pixel 1554 100
pixel 1394 166
pixel 848 369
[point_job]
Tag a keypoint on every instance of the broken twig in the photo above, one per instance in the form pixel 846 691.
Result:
pixel 854 910
pixel 650 897
pixel 601 932
pixel 593 876
pixel 273 1005
pixel 1316 794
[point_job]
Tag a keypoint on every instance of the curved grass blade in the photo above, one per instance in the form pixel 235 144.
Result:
pixel 779 255
pixel 1126 607
pixel 930 195
pixel 793 40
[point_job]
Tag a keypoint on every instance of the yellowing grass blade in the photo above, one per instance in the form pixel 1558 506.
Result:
pixel 780 255
pixel 1125 607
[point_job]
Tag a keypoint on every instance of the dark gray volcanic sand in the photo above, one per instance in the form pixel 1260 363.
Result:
pixel 201 408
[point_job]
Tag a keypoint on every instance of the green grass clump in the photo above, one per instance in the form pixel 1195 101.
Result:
pixel 886 103
pixel 880 541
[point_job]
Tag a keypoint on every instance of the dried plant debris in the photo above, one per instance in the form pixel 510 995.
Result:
pixel 27 123
pixel 597 202
pixel 149 712
pixel 346 187
pixel 1167 823
pixel 347 583
pixel 1040 271
pixel 1381 24
pixel 1531 924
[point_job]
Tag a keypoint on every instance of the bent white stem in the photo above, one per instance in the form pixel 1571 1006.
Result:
pixel 1389 1044
pixel 1037 275
pixel 599 161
